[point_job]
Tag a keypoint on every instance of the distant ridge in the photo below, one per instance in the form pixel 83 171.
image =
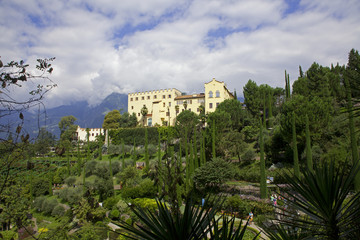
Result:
pixel 87 116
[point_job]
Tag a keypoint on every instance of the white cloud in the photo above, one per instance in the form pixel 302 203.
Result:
pixel 167 44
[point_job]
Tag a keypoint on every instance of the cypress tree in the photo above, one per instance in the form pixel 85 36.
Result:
pixel 309 160
pixel 196 160
pixel 84 187
pixel 134 154
pixel 88 143
pixel 286 87
pixel 159 166
pixel 123 154
pixel 111 176
pixel 50 184
pixel 354 150
pixel 264 113
pixel 213 139
pixel 68 161
pixel 79 162
pixel 100 146
pixel 270 114
pixel 288 83
pixel 188 168
pixel 146 151
pixel 263 187
pixel 191 158
pixel 295 150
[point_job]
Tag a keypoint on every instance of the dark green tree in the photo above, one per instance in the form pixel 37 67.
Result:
pixel 309 160
pixel 263 187
pixel 112 120
pixel 144 112
pixel 294 147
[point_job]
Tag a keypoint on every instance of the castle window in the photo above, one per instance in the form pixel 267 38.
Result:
pixel 163 104
pixel 132 107
pixel 210 94
pixel 163 96
pixel 217 93
pixel 210 105
pixel 155 96
pixel 190 101
pixel 142 98
pixel 169 95
pixel 169 104
pixel 217 104
pixel 136 98
pixel 148 97
pixel 131 99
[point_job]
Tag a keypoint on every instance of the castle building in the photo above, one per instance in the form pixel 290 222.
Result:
pixel 81 133
pixel 164 105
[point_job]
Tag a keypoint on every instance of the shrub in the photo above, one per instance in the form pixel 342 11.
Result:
pixel 122 206
pixel 145 189
pixel 40 187
pixel 38 203
pixel 145 203
pixel 114 214
pixel 70 195
pixel 110 202
pixel 70 181
pixel 244 206
pixel 58 211
pixel 48 206
pixel 249 156
pixel 90 168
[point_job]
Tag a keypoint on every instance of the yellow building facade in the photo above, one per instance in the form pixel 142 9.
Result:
pixel 164 105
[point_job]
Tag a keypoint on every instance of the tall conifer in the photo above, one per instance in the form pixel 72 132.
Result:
pixel 263 187
pixel 309 160
pixel 146 151
pixel 295 150
pixel 354 150
pixel 213 140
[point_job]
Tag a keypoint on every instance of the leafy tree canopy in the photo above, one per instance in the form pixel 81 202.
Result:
pixel 237 114
pixel 112 120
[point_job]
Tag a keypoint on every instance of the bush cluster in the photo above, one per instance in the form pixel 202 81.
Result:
pixel 243 206
pixel 48 206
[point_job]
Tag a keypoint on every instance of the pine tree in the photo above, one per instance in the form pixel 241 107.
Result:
pixel 309 160
pixel 263 187
pixel 295 150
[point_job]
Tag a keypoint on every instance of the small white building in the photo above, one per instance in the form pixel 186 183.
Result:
pixel 81 133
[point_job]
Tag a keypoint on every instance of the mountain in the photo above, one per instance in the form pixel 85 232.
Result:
pixel 87 116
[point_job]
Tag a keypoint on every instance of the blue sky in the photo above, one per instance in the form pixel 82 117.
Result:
pixel 127 46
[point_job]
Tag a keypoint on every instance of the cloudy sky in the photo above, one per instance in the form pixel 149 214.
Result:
pixel 137 45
